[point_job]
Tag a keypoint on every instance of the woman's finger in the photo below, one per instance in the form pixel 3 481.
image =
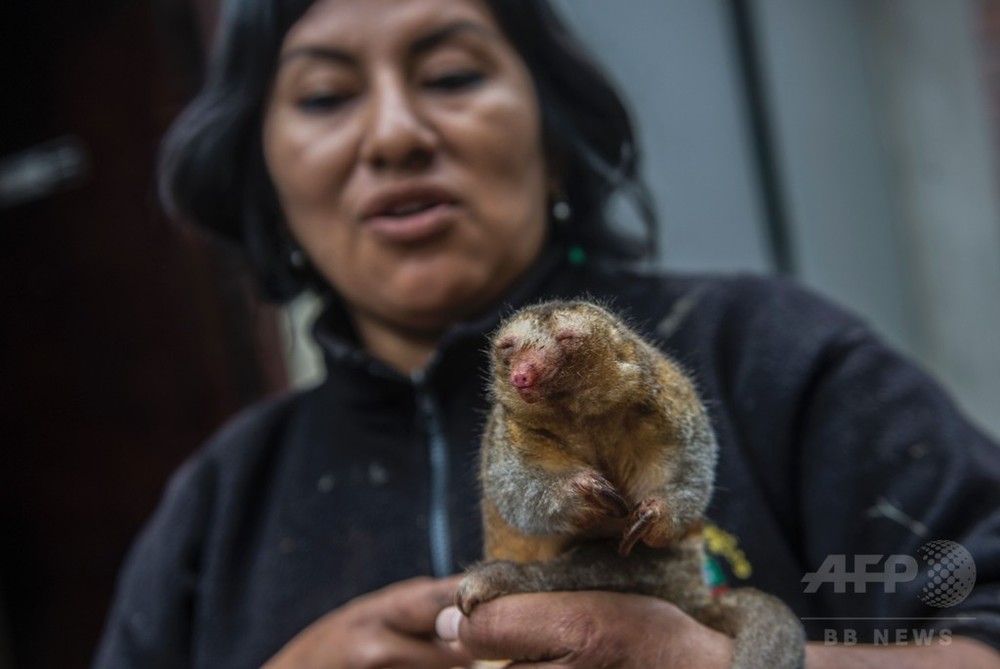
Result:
pixel 410 607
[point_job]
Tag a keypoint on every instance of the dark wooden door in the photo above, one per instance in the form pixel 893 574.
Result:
pixel 124 341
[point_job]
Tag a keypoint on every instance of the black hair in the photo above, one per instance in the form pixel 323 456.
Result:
pixel 212 169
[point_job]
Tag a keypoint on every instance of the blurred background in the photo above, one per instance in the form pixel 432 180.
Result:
pixel 850 144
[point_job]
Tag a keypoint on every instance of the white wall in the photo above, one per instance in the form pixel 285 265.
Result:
pixel 831 159
pixel 675 63
pixel 943 173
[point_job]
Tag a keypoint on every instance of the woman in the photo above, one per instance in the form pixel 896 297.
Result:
pixel 426 166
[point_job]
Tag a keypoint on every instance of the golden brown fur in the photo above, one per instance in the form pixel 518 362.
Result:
pixel 597 465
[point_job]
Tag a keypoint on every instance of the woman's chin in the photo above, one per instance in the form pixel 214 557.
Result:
pixel 433 316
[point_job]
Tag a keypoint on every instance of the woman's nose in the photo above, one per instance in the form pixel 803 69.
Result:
pixel 397 135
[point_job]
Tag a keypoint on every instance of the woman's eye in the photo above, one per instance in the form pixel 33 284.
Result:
pixel 320 102
pixel 455 81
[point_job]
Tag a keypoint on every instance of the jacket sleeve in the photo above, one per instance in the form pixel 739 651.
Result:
pixel 913 477
pixel 890 475
pixel 150 624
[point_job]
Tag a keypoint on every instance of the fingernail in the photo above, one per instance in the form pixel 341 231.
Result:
pixel 447 622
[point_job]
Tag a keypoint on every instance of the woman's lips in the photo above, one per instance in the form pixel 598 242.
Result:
pixel 409 212
pixel 418 226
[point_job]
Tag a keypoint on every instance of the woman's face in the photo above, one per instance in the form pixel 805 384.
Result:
pixel 404 141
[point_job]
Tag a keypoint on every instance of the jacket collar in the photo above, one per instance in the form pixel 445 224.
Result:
pixel 335 335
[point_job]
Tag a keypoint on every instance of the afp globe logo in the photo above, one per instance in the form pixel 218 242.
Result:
pixel 951 573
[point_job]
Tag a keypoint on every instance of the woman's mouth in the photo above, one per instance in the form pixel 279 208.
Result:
pixel 410 216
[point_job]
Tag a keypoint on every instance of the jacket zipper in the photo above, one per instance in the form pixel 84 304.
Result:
pixel 439 522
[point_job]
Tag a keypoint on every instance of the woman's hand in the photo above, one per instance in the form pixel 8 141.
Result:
pixel 601 629
pixel 585 629
pixel 391 627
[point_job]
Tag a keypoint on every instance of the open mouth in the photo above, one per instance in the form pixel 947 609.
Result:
pixel 402 200
pixel 412 220
pixel 410 208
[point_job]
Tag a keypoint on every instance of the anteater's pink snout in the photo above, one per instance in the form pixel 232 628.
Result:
pixel 527 375
pixel 524 375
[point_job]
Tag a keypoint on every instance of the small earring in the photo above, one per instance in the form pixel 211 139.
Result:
pixel 296 258
pixel 561 210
